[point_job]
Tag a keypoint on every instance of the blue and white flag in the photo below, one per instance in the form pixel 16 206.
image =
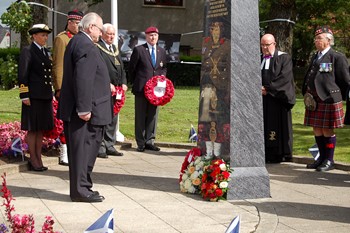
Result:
pixel 16 147
pixel 193 135
pixel 234 226
pixel 104 224
pixel 314 151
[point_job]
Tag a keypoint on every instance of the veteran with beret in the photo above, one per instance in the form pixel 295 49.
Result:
pixel 325 86
pixel 146 61
pixel 35 85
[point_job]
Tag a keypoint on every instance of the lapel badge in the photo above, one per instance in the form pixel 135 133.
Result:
pixel 161 64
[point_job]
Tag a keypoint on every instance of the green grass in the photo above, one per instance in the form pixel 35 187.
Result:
pixel 176 117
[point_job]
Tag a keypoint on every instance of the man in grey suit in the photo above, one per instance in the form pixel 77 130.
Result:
pixel 85 106
pixel 143 65
pixel 111 56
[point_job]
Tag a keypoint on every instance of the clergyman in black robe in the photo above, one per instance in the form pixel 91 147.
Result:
pixel 278 90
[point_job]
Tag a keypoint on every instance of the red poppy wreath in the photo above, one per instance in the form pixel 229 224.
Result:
pixel 120 99
pixel 159 90
pixel 57 130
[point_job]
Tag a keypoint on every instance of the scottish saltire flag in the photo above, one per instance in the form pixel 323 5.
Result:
pixel 103 225
pixel 234 226
pixel 193 135
pixel 16 147
pixel 314 151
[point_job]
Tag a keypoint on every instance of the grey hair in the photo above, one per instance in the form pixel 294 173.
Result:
pixel 88 19
pixel 106 26
pixel 331 38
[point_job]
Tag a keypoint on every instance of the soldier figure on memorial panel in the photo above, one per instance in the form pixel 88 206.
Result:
pixel 215 92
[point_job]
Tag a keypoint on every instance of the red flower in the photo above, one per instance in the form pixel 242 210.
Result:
pixel 159 90
pixel 219 192
pixel 120 99
pixel 190 157
pixel 57 131
pixel 226 175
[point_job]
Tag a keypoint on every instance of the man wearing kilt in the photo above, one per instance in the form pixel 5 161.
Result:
pixel 326 84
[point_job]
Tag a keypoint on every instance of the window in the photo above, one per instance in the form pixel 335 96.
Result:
pixel 163 2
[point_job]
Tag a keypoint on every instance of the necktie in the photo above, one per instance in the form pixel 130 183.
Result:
pixel 153 56
pixel 43 51
pixel 111 48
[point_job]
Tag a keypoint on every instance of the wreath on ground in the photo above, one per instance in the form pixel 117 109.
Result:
pixel 120 99
pixel 159 90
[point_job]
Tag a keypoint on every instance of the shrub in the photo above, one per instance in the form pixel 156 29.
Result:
pixel 8 72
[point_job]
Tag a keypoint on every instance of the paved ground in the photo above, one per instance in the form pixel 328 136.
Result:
pixel 143 190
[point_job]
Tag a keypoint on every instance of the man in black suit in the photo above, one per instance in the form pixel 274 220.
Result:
pixel 111 56
pixel 146 61
pixel 85 106
pixel 326 84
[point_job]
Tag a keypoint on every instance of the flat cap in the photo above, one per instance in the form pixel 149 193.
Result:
pixel 151 30
pixel 323 29
pixel 39 28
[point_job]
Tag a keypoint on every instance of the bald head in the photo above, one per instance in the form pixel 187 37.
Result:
pixel 268 44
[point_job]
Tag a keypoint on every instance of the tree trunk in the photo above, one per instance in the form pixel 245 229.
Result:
pixel 282 30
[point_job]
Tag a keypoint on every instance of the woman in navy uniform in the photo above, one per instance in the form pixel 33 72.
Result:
pixel 34 78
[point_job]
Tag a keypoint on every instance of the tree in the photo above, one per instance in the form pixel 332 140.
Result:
pixel 282 30
pixel 308 14
pixel 19 18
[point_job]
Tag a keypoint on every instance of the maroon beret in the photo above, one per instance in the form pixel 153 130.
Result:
pixel 151 29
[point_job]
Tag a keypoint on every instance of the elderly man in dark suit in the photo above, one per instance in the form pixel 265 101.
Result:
pixel 111 56
pixel 85 106
pixel 146 61
pixel 325 86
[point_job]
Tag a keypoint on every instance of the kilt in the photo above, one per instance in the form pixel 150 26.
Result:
pixel 38 116
pixel 327 116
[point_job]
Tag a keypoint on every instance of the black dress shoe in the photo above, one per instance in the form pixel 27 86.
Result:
pixel 63 163
pixel 314 165
pixel 91 198
pixel 102 155
pixel 140 149
pixel 114 153
pixel 325 166
pixel 152 147
pixel 44 168
pixel 36 169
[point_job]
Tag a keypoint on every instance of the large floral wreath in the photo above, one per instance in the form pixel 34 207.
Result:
pixel 209 177
pixel 159 90
pixel 120 99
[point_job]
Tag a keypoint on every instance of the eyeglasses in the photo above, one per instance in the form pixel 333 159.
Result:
pixel 98 27
pixel 266 45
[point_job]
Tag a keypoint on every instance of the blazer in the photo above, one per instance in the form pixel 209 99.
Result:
pixel 330 86
pixel 85 84
pixel 114 64
pixel 59 47
pixel 141 69
pixel 34 73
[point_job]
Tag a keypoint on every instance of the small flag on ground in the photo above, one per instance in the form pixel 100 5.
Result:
pixel 103 225
pixel 314 151
pixel 193 135
pixel 234 226
pixel 16 147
